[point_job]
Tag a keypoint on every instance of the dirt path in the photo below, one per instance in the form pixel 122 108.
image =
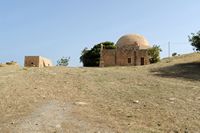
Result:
pixel 52 116
pixel 49 117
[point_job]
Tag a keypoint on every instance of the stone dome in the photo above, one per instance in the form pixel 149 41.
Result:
pixel 133 40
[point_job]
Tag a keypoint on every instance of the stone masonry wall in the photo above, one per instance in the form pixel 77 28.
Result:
pixel 44 62
pixel 122 56
pixel 31 61
pixel 109 57
pixel 125 56
pixel 142 54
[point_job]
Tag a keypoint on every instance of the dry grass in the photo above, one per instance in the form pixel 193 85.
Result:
pixel 163 97
pixel 2 65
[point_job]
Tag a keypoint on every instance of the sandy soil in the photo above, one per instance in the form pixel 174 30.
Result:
pixel 162 98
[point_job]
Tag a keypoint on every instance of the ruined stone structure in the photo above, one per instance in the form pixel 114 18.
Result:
pixel 131 50
pixel 37 61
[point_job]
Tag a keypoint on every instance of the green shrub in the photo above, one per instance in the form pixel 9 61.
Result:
pixel 154 54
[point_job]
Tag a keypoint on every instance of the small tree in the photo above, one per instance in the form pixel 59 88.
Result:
pixel 194 39
pixel 64 61
pixel 154 54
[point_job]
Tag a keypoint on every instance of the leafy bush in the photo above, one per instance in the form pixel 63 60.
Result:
pixel 194 39
pixel 154 54
pixel 64 61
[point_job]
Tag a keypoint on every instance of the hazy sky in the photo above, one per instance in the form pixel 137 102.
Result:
pixel 56 28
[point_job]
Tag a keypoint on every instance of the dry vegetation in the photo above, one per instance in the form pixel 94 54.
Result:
pixel 162 98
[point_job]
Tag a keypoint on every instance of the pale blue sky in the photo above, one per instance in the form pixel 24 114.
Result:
pixel 56 28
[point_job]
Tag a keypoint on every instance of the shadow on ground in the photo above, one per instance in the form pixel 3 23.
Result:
pixel 189 71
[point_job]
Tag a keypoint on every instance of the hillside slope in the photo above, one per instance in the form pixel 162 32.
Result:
pixel 163 97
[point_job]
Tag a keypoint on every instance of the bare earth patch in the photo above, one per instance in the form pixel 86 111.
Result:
pixel 53 117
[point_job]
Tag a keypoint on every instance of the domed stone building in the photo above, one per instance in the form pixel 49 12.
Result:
pixel 131 50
